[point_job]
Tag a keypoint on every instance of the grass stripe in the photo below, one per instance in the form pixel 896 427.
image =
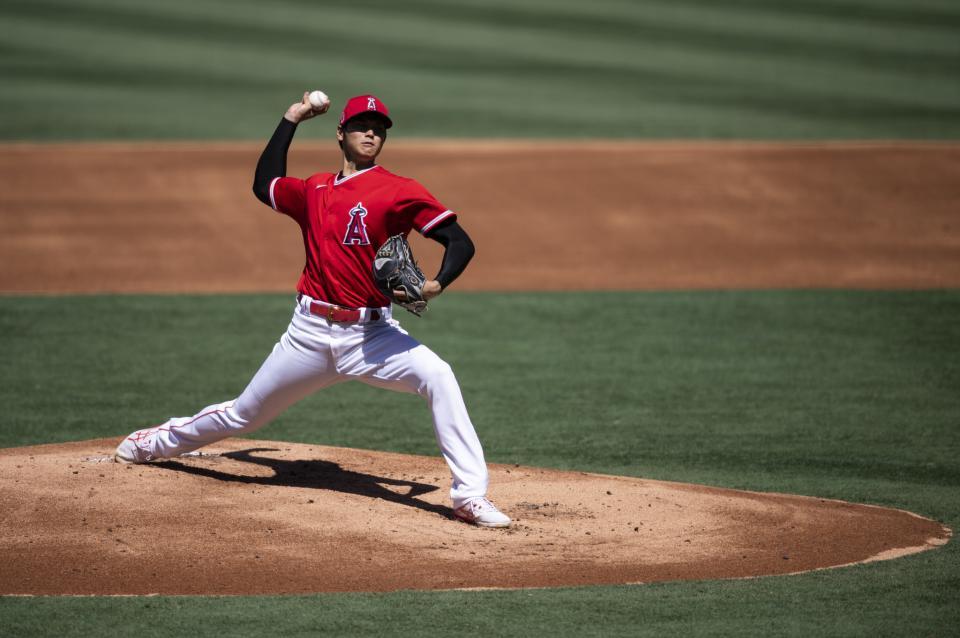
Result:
pixel 658 69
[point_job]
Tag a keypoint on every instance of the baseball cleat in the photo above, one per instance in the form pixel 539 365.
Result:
pixel 482 513
pixel 129 452
pixel 119 456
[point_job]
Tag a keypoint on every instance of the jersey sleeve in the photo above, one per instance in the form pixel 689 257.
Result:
pixel 288 195
pixel 420 208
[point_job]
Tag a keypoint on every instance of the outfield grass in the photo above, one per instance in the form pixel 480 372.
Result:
pixel 847 395
pixel 226 69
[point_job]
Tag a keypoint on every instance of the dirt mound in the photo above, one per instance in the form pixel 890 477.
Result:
pixel 263 517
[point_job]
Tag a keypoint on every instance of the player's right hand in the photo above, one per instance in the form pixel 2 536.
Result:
pixel 303 110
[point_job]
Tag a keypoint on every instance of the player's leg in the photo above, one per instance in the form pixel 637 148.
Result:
pixel 298 366
pixel 390 358
pixel 420 371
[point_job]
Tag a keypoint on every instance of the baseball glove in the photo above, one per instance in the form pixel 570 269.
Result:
pixel 398 276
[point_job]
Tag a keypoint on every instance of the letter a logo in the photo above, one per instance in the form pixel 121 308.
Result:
pixel 371 104
pixel 356 228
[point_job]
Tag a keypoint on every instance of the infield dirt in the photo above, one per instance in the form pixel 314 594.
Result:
pixel 545 216
pixel 259 517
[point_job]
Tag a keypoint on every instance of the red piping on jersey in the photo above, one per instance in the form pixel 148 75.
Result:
pixel 436 220
pixel 160 428
pixel 273 202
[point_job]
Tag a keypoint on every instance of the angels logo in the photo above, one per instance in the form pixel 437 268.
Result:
pixel 356 227
pixel 372 103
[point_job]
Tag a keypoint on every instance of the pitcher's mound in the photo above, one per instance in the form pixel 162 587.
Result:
pixel 263 517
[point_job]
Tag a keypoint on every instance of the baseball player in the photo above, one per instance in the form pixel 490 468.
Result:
pixel 342 328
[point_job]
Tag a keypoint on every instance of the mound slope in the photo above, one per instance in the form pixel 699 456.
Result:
pixel 261 517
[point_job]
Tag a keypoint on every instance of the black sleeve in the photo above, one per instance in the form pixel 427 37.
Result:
pixel 273 160
pixel 459 250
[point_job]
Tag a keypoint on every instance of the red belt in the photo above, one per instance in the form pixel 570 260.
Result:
pixel 331 312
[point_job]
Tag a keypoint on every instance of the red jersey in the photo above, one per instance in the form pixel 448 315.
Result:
pixel 345 220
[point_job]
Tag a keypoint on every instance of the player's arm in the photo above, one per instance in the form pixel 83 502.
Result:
pixel 273 160
pixel 459 250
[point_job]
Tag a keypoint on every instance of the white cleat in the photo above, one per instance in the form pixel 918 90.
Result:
pixel 129 450
pixel 482 513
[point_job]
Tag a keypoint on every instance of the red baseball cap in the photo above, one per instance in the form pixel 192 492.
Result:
pixel 361 104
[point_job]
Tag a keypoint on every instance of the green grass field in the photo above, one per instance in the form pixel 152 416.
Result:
pixel 227 69
pixel 848 395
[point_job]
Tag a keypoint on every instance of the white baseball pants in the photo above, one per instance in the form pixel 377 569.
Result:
pixel 314 354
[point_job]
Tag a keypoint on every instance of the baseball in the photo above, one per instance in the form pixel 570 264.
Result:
pixel 318 99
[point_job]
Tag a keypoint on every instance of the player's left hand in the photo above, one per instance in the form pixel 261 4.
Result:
pixel 397 275
pixel 431 289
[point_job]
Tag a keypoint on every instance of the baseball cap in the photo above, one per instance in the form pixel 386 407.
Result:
pixel 360 104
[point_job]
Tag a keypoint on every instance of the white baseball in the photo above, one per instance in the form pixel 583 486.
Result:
pixel 318 99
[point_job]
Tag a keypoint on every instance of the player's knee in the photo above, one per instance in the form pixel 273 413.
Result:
pixel 436 374
pixel 241 415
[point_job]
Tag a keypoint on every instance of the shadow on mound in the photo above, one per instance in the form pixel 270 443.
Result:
pixel 316 474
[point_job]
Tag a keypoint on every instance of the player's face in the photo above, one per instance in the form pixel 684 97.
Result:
pixel 362 137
